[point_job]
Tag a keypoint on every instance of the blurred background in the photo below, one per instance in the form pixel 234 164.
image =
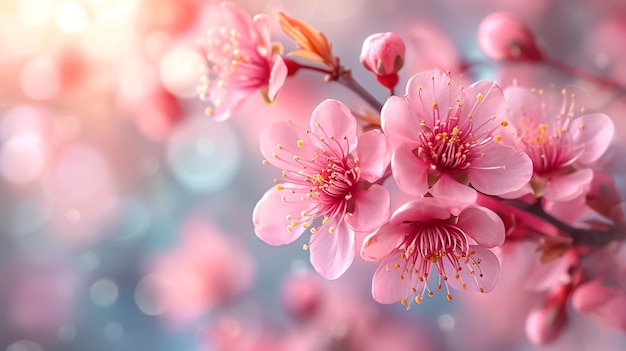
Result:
pixel 125 212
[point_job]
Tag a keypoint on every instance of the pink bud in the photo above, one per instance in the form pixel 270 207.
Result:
pixel 547 324
pixel 503 36
pixel 383 54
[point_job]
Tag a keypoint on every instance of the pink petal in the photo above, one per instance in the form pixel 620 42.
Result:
pixel 387 287
pixel 421 210
pixel 452 191
pixel 502 169
pixel 371 208
pixel 474 275
pixel 522 102
pixel 409 171
pixel 332 119
pixel 231 101
pixel 606 303
pixel 332 253
pixel 285 134
pixel 485 100
pixel 432 88
pixel 594 132
pixel 399 121
pixel 568 186
pixel 262 27
pixel 269 217
pixel 235 17
pixel 383 242
pixel 277 77
pixel 374 155
pixel 483 225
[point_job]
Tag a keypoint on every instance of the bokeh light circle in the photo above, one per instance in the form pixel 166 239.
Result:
pixel 204 155
pixel 22 158
pixel 151 295
pixel 104 292
pixel 179 72
pixel 24 345
pixel 40 78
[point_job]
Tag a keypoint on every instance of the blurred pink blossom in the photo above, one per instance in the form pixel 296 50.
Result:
pixel 561 141
pixel 606 303
pixel 503 36
pixel 199 274
pixel 241 60
pixel 327 184
pixel 444 136
pixel 424 234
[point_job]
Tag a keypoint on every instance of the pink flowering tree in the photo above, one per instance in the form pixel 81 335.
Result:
pixel 467 166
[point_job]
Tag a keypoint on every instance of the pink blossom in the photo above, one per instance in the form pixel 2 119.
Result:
pixel 606 303
pixel 198 275
pixel 503 36
pixel 327 185
pixel 424 234
pixel 444 136
pixel 241 60
pixel 560 140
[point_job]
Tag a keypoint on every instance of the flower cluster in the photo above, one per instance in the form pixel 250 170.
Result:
pixel 473 164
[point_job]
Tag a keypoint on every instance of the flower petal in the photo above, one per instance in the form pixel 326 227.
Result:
pixel 605 303
pixel 522 102
pixel 430 94
pixel 487 101
pixel 274 138
pixel 331 119
pixel 399 121
pixel 594 132
pixel 262 26
pixel 269 217
pixel 568 186
pixel 374 155
pixel 483 225
pixel 382 243
pixel 502 169
pixel 421 210
pixel 410 172
pixel 451 190
pixel 277 77
pixel 474 276
pixel 332 253
pixel 371 208
pixel 387 287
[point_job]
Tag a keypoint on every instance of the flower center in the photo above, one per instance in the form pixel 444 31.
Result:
pixel 445 150
pixel 548 140
pixel 438 243
pixel 320 171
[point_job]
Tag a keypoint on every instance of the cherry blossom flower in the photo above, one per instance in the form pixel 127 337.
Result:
pixel 327 186
pixel 424 234
pixel 241 60
pixel 560 140
pixel 444 136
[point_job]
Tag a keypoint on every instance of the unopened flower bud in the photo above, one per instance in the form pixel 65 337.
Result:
pixel 503 36
pixel 383 54
pixel 547 324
